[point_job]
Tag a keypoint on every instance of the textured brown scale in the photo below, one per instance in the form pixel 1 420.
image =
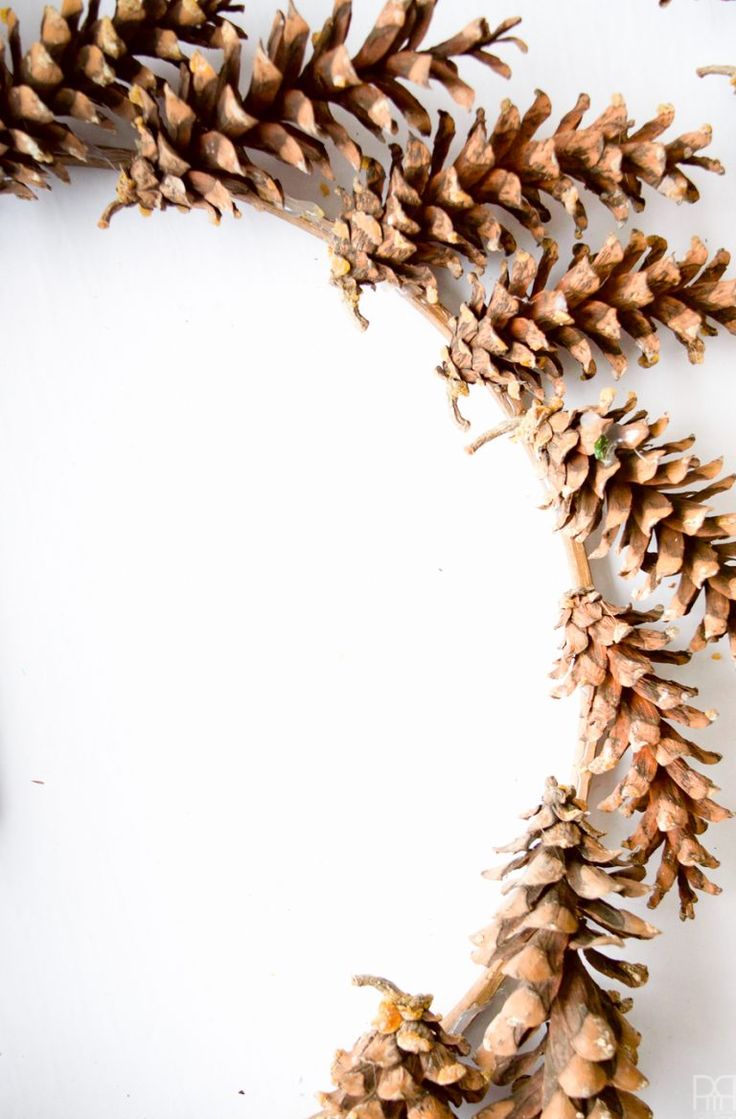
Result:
pixel 606 470
pixel 612 654
pixel 407 1067
pixel 559 1040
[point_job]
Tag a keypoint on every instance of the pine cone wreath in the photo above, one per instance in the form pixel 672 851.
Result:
pixel 560 1041
pixel 80 70
pixel 407 1067
pixel 611 652
pixel 605 469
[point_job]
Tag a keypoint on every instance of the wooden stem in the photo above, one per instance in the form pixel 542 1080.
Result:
pixel 577 557
pixel 476 999
pixel 504 428
pixel 724 71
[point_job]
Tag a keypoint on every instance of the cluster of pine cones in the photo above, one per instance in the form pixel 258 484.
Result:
pixel 155 91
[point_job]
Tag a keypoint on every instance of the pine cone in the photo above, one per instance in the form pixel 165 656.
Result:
pixel 525 329
pixel 611 652
pixel 421 220
pixel 430 214
pixel 559 1039
pixel 605 469
pixel 405 1068
pixel 606 157
pixel 81 68
pixel 291 99
pixel 189 143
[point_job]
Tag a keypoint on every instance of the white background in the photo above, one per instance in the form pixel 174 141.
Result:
pixel 277 649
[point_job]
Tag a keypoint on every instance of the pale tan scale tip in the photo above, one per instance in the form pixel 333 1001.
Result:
pixel 712 715
pixel 607 397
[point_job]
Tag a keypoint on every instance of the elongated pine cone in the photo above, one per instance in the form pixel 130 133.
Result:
pixel 605 469
pixel 430 213
pixel 421 219
pixel 80 71
pixel 407 1067
pixel 560 1040
pixel 189 143
pixel 525 328
pixel 612 652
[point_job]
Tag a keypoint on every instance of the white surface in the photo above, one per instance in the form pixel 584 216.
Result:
pixel 277 649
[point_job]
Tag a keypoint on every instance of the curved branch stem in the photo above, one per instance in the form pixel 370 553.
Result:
pixel 484 988
pixel 482 991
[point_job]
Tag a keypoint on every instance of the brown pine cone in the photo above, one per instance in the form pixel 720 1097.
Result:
pixel 407 1067
pixel 611 652
pixel 605 157
pixel 560 1040
pixel 605 469
pixel 420 220
pixel 189 149
pixel 525 328
pixel 430 214
pixel 81 68
pixel 291 99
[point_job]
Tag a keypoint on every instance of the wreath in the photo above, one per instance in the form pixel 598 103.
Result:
pixel 155 92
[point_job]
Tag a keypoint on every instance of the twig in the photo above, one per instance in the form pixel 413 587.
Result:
pixel 495 433
pixel 464 1013
pixel 724 71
